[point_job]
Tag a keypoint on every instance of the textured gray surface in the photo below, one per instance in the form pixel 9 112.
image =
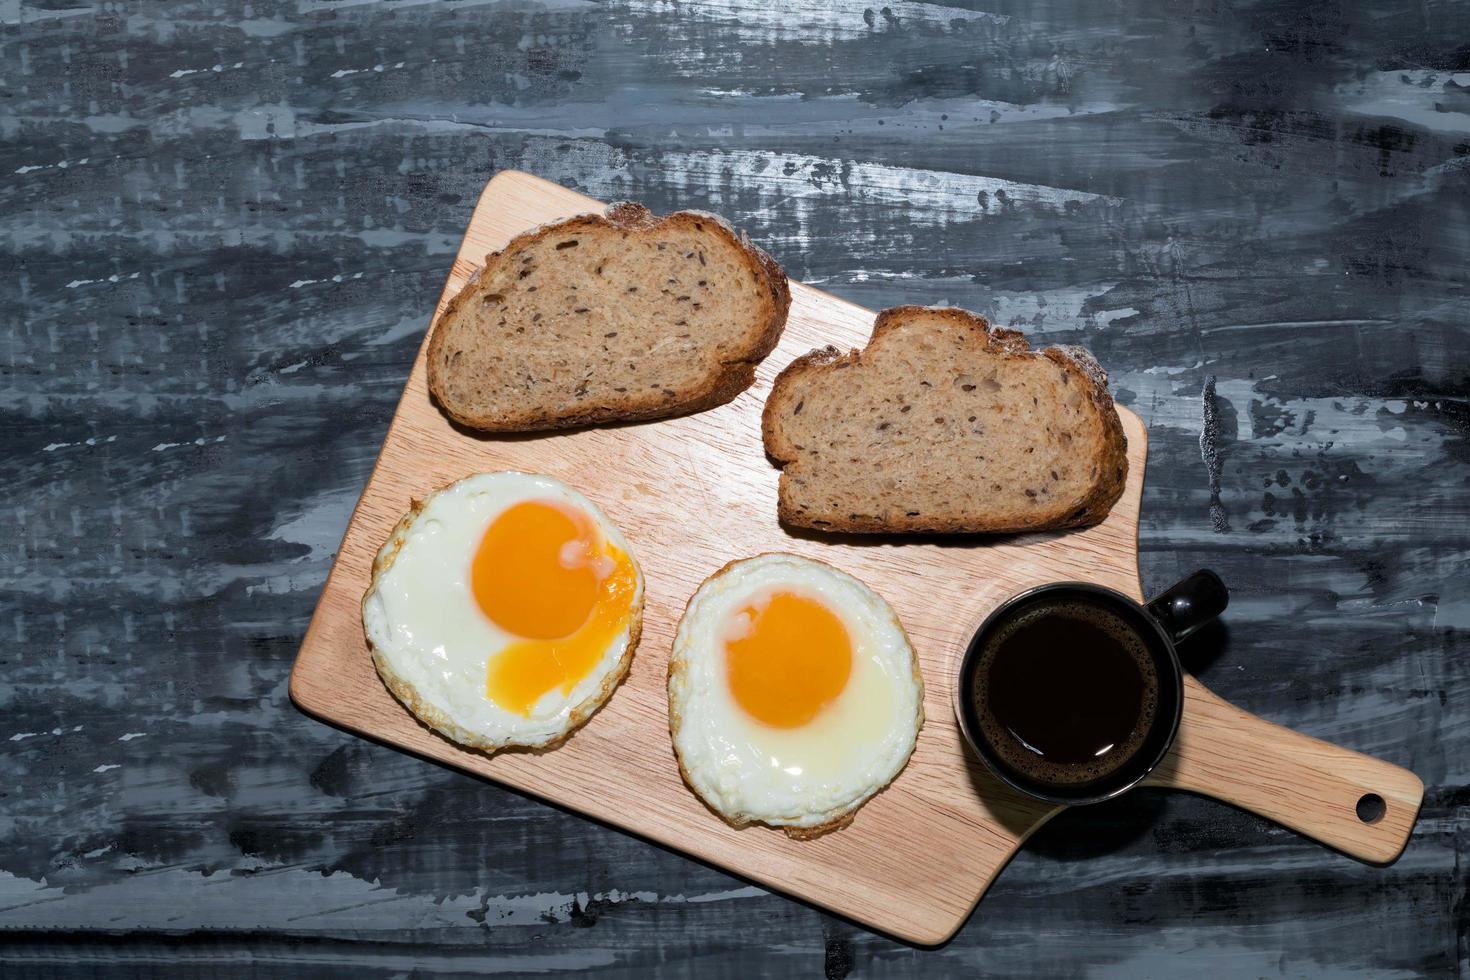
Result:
pixel 225 227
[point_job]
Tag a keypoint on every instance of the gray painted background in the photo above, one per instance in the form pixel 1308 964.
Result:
pixel 225 226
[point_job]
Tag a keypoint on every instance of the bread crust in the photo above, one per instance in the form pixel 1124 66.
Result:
pixel 437 720
pixel 1111 459
pixel 726 379
pixel 676 722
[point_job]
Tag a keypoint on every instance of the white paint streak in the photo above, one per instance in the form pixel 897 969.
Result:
pixel 1108 316
pixel 406 327
pixel 201 441
pixel 379 69
pixel 816 21
pixel 114 278
pixel 749 891
pixel 1420 96
pixel 319 525
pixel 312 282
pixel 216 69
pixel 105 767
pixel 1177 369
pixel 802 183
pixel 1279 324
pixel 93 441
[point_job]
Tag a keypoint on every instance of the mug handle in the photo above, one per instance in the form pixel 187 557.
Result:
pixel 1190 604
pixel 1360 805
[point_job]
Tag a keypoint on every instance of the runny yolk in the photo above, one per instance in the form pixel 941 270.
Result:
pixel 787 659
pixel 545 575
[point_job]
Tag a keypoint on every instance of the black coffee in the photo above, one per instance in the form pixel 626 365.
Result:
pixel 1065 690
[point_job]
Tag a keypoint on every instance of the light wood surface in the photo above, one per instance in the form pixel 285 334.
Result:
pixel 1309 785
pixel 691 494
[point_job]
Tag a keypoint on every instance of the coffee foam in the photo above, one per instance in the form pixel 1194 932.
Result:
pixel 1011 750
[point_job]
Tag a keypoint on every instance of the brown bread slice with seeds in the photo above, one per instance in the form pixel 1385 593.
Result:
pixel 603 318
pixel 944 423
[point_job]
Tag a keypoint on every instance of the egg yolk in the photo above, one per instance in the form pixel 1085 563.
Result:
pixel 787 659
pixel 545 575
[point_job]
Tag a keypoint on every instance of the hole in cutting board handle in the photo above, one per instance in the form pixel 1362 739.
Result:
pixel 1371 808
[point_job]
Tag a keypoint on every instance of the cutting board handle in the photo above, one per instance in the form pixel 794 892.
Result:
pixel 1360 805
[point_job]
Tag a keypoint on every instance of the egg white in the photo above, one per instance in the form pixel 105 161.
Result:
pixel 807 778
pixel 431 642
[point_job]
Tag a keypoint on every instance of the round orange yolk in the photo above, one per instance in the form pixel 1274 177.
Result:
pixel 792 658
pixel 544 574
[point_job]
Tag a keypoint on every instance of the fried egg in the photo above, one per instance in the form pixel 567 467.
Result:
pixel 504 610
pixel 794 694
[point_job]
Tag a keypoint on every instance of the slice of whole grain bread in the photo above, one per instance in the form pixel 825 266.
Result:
pixel 609 317
pixel 944 423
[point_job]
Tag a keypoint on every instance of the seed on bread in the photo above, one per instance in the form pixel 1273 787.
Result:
pixel 603 318
pixel 944 423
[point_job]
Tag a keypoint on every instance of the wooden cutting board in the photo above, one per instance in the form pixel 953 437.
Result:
pixel 693 493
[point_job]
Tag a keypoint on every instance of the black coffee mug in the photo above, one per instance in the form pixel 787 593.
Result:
pixel 1158 626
